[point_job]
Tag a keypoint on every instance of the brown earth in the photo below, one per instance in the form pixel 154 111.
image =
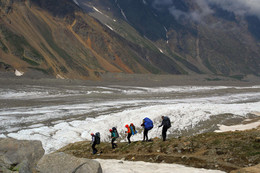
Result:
pixel 223 151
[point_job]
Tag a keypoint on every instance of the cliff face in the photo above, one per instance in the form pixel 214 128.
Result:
pixel 203 36
pixel 57 38
pixel 83 39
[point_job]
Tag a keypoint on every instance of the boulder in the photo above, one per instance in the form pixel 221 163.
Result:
pixel 19 155
pixel 65 163
pixel 253 169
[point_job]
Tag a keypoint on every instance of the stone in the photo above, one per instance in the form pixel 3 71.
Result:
pixel 253 169
pixel 20 155
pixel 65 163
pixel 257 139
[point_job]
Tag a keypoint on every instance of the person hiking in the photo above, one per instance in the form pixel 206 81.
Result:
pixel 114 136
pixel 132 128
pixel 166 123
pixel 148 125
pixel 129 133
pixel 94 143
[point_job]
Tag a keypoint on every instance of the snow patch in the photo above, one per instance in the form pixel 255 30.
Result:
pixel 97 10
pixel 160 50
pixel 141 167
pixel 59 77
pixel 2 136
pixel 76 2
pixel 18 73
pixel 110 27
pixel 240 127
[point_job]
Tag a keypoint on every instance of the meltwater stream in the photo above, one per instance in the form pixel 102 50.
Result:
pixel 61 115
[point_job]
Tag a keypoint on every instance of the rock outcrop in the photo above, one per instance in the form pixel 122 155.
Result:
pixel 28 157
pixel 253 169
pixel 65 163
pixel 20 155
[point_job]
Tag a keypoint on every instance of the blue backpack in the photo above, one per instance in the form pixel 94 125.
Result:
pixel 148 123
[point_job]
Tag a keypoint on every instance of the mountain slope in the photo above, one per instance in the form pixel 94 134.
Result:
pixel 57 38
pixel 83 38
pixel 201 36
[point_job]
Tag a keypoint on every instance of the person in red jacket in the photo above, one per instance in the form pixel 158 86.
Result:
pixel 129 133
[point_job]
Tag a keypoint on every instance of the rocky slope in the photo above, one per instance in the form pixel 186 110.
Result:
pixel 224 151
pixel 201 36
pixel 58 38
pixel 83 39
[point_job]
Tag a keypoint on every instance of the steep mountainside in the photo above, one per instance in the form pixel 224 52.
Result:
pixel 57 38
pixel 202 36
pixel 85 38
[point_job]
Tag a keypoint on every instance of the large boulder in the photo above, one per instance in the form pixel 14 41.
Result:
pixel 65 163
pixel 19 155
pixel 253 169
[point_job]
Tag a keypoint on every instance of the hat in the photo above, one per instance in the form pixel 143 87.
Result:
pixel 110 130
pixel 131 124
pixel 126 125
pixel 92 134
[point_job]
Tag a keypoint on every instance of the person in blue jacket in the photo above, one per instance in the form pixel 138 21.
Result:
pixel 148 125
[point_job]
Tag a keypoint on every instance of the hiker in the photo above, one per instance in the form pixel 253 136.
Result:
pixel 95 141
pixel 132 128
pixel 148 125
pixel 166 123
pixel 129 133
pixel 114 136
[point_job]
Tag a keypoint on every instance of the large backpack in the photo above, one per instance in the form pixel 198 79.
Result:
pixel 168 122
pixel 133 131
pixel 115 131
pixel 97 138
pixel 148 123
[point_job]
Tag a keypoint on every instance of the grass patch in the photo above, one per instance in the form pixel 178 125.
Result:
pixel 3 47
pixel 44 71
pixel 184 62
pixel 214 79
pixel 18 46
pixel 29 61
pixel 238 77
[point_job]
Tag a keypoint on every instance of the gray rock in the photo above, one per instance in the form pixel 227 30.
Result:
pixel 20 155
pixel 65 163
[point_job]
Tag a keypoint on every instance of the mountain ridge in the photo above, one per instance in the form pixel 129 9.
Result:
pixel 85 39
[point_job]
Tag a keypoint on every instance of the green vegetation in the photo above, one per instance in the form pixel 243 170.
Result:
pixel 20 47
pixel 63 69
pixel 209 66
pixel 238 77
pixel 14 168
pixel 44 71
pixel 29 61
pixel 184 62
pixel 214 79
pixel 3 47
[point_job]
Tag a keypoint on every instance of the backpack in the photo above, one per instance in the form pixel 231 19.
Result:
pixel 115 131
pixel 133 131
pixel 97 138
pixel 148 123
pixel 168 122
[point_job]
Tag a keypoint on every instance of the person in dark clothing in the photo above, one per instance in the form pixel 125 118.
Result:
pixel 166 123
pixel 145 137
pixel 129 133
pixel 148 125
pixel 113 137
pixel 94 143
